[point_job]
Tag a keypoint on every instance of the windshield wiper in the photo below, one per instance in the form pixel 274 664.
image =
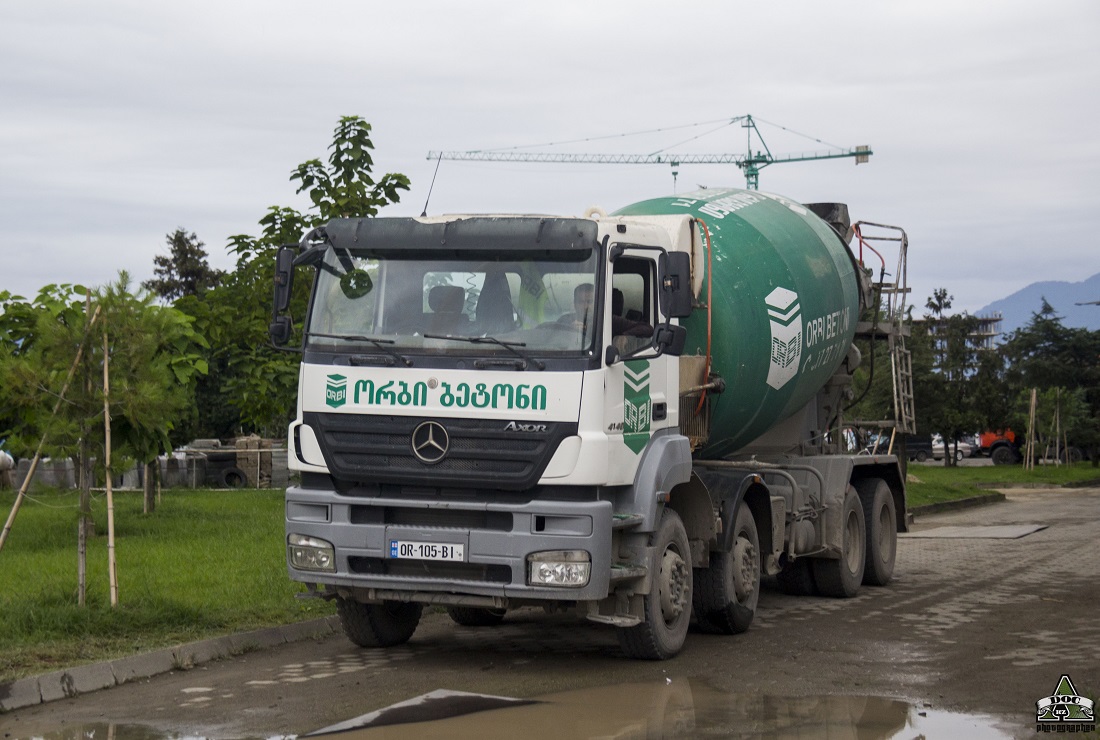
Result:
pixel 379 343
pixel 510 346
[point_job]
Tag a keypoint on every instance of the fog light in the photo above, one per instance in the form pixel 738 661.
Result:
pixel 310 553
pixel 564 568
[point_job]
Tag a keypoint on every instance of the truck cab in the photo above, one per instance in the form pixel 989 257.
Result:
pixel 476 398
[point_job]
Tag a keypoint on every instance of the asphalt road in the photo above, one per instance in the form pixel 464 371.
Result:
pixel 977 620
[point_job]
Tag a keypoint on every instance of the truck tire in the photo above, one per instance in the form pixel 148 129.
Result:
pixel 667 606
pixel 726 592
pixel 1003 455
pixel 880 518
pixel 233 477
pixel 474 616
pixel 841 578
pixel 1072 455
pixel 921 456
pixel 378 625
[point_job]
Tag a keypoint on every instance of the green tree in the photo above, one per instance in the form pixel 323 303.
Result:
pixel 184 270
pixel 1063 363
pixel 257 382
pixel 154 360
pixel 954 410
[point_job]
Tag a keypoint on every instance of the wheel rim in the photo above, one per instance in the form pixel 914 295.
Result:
pixel 851 540
pixel 674 585
pixel 746 564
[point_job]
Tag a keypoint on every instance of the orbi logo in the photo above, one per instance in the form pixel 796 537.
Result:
pixel 786 321
pixel 337 391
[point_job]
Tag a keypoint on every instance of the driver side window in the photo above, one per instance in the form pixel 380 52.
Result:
pixel 633 305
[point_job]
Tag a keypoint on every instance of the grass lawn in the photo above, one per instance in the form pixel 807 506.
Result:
pixel 929 484
pixel 205 563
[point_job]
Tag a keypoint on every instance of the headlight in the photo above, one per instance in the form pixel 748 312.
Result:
pixel 563 568
pixel 310 553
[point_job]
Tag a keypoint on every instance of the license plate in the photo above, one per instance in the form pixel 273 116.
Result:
pixel 427 551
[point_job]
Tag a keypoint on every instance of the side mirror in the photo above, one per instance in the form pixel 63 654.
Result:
pixel 675 296
pixel 279 330
pixel 670 339
pixel 284 277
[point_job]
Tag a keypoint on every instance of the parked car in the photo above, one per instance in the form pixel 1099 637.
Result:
pixel 919 447
pixel 965 449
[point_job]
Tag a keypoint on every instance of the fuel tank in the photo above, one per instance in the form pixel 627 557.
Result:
pixel 785 301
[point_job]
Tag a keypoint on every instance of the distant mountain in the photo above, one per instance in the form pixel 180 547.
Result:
pixel 1062 296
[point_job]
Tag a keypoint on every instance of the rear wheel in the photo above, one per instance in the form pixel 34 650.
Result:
pixel 378 625
pixel 841 577
pixel 726 592
pixel 667 606
pixel 1003 455
pixel 958 455
pixel 922 456
pixel 1072 455
pixel 880 518
pixel 473 616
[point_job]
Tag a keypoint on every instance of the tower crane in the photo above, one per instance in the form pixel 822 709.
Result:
pixel 750 162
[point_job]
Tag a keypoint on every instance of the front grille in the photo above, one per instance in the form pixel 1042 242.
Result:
pixel 497 521
pixel 431 570
pixel 378 449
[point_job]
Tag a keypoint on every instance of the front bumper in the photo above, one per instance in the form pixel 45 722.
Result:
pixel 496 535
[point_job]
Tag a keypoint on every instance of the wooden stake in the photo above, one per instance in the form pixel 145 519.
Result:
pixel 112 571
pixel 42 443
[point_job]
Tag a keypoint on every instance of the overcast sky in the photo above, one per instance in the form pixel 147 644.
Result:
pixel 121 121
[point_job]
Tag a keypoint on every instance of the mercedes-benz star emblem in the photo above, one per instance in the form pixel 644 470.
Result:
pixel 430 442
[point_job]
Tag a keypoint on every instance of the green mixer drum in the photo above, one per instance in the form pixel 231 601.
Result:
pixel 785 306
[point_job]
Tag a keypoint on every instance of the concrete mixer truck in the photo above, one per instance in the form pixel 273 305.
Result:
pixel 635 416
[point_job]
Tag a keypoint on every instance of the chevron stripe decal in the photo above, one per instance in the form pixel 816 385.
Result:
pixel 637 405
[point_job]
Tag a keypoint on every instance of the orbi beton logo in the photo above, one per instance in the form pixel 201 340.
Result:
pixel 786 321
pixel 1065 710
pixel 336 393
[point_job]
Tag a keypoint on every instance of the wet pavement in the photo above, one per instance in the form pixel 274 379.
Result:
pixel 971 633
pixel 668 709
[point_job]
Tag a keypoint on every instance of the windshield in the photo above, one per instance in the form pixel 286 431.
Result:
pixel 531 302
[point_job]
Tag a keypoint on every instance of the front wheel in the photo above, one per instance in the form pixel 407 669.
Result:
pixel 726 592
pixel 667 606
pixel 1003 455
pixel 922 456
pixel 378 625
pixel 841 577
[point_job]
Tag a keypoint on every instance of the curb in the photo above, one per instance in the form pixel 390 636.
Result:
pixel 962 503
pixel 26 692
pixel 1010 486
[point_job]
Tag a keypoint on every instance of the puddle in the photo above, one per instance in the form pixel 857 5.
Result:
pixel 677 708
pixel 674 708
pixel 110 731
